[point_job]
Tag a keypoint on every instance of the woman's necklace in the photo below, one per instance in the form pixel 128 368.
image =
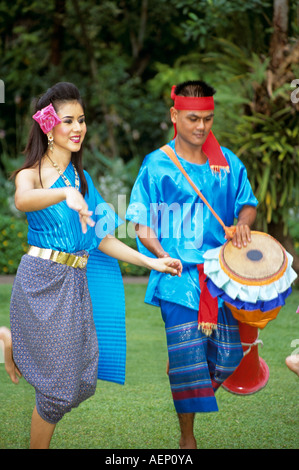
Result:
pixel 77 180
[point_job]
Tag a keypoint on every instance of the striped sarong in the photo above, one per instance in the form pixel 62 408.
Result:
pixel 199 364
pixel 54 338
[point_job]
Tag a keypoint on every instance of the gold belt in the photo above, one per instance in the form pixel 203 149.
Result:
pixel 58 256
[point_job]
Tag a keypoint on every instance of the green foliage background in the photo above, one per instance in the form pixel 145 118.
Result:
pixel 124 56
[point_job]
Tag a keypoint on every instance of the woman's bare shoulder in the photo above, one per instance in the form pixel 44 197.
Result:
pixel 28 176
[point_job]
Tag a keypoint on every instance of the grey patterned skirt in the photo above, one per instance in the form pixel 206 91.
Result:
pixel 54 339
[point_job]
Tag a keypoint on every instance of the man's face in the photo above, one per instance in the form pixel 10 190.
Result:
pixel 192 126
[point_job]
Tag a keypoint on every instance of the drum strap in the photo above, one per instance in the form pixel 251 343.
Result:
pixel 229 231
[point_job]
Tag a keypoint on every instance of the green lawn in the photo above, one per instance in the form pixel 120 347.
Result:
pixel 140 414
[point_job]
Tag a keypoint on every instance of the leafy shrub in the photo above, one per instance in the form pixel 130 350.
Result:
pixel 13 243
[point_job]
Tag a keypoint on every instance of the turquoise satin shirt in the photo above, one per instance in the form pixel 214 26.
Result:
pixel 164 200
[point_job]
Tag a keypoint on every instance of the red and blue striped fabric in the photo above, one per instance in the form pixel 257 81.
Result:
pixel 199 364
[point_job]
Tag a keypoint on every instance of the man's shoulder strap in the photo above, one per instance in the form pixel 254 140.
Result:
pixel 171 154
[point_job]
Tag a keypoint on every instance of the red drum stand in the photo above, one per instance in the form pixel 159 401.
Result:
pixel 252 373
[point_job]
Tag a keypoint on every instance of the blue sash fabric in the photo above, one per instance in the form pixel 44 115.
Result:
pixel 108 300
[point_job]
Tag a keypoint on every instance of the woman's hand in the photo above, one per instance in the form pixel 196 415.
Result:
pixel 29 197
pixel 75 201
pixel 113 247
pixel 165 265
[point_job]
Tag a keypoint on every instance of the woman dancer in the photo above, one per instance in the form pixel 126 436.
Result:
pixel 54 338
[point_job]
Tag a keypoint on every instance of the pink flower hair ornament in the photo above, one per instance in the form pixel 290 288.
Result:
pixel 47 118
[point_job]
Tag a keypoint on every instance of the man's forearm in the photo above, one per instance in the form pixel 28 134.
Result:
pixel 149 239
pixel 247 216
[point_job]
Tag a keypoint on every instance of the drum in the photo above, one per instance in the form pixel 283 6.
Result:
pixel 253 281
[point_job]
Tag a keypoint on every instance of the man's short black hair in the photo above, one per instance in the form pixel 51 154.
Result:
pixel 194 88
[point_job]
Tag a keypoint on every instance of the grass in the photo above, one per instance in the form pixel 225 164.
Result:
pixel 140 414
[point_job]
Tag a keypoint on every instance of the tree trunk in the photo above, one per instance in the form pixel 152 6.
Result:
pixel 58 33
pixel 279 41
pixel 282 56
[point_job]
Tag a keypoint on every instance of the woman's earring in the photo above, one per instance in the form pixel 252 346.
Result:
pixel 50 142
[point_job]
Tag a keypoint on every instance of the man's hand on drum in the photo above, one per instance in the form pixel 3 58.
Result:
pixel 242 234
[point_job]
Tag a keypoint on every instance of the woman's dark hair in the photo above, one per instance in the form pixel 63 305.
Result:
pixel 37 143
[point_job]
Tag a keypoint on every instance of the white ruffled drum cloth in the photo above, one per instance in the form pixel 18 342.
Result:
pixel 253 281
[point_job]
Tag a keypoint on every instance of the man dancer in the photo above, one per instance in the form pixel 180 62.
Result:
pixel 170 218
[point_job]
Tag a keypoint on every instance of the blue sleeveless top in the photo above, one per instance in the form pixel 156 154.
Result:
pixel 58 227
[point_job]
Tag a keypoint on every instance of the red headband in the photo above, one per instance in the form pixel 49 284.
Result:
pixel 202 103
pixel 211 146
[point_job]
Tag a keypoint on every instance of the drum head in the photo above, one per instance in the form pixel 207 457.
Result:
pixel 261 262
